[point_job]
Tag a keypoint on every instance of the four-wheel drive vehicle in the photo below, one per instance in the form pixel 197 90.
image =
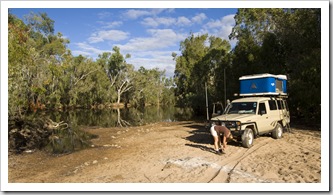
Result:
pixel 250 117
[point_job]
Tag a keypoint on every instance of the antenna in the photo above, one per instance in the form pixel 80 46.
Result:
pixel 206 101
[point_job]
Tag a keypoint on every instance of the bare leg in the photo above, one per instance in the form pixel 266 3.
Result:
pixel 217 142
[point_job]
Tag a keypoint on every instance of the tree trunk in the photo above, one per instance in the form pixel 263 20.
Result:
pixel 119 93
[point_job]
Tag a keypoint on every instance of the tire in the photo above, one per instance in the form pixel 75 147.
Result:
pixel 247 138
pixel 277 132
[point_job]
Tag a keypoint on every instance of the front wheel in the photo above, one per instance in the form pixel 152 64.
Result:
pixel 277 132
pixel 247 138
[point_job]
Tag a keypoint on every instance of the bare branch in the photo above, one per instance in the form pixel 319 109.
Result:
pixel 83 76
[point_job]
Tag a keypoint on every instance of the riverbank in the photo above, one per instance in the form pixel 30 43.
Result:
pixel 174 152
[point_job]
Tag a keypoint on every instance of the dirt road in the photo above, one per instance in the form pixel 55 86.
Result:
pixel 175 152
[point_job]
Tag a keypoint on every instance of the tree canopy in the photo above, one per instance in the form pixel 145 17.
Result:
pixel 43 73
pixel 276 41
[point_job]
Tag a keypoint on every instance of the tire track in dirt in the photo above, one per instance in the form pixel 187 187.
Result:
pixel 236 157
pixel 208 166
pixel 295 158
pixel 314 137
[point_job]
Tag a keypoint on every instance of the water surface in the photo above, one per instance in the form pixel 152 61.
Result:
pixel 70 138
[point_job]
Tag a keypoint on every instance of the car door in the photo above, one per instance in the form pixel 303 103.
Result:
pixel 264 122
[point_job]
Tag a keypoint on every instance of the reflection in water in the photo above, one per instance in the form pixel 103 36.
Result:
pixel 68 140
pixel 72 138
pixel 121 117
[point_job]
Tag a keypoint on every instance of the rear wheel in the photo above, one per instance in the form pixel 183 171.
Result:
pixel 247 138
pixel 277 132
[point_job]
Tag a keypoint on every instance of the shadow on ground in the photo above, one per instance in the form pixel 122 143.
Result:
pixel 200 136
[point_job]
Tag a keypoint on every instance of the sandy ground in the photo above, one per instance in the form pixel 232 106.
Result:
pixel 174 152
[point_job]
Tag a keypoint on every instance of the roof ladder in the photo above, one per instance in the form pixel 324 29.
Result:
pixel 283 116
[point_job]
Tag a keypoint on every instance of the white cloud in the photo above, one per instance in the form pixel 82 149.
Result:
pixel 114 24
pixel 199 18
pixel 134 13
pixel 145 54
pixel 149 63
pixel 83 53
pixel 145 51
pixel 183 21
pixel 155 22
pixel 214 24
pixel 166 21
pixel 137 13
pixel 225 21
pixel 87 50
pixel 150 22
pixel 103 15
pixel 162 61
pixel 154 51
pixel 110 35
pixel 229 19
pixel 157 11
pixel 160 38
pixel 221 27
pixel 169 21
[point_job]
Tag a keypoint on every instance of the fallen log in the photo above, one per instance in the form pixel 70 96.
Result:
pixel 31 133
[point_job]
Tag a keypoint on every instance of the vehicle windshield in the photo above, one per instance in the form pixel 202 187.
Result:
pixel 241 108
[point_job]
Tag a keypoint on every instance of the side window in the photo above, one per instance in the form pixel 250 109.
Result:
pixel 272 105
pixel 280 105
pixel 262 108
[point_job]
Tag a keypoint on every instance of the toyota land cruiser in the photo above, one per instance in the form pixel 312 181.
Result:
pixel 250 117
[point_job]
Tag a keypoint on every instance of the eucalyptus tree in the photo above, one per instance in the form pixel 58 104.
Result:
pixel 149 86
pixel 193 49
pixel 203 59
pixel 82 81
pixel 168 93
pixel 100 93
pixel 119 72
pixel 18 60
pixel 282 41
pixel 258 49
pixel 154 87
pixel 300 34
pixel 34 54
pixel 218 59
pixel 140 92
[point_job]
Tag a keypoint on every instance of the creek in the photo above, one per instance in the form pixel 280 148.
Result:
pixel 71 138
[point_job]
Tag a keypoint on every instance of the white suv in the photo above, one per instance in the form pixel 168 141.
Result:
pixel 250 117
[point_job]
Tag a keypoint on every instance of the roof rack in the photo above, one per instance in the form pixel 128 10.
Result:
pixel 264 95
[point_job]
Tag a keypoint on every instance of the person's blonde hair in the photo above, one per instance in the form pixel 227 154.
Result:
pixel 230 137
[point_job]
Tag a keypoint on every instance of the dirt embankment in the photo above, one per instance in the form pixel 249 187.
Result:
pixel 175 152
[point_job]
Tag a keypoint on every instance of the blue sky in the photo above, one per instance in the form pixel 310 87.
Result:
pixel 149 35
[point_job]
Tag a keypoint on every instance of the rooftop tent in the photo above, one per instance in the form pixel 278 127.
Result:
pixel 263 84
